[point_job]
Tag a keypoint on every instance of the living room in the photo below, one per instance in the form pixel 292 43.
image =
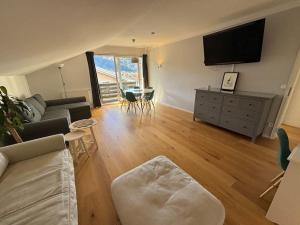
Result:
pixel 184 144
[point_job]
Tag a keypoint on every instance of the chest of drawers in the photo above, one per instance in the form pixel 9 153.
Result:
pixel 242 112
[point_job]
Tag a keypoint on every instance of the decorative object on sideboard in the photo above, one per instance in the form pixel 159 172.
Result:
pixel 229 81
pixel 11 117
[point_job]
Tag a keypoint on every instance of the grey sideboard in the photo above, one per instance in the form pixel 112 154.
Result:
pixel 242 112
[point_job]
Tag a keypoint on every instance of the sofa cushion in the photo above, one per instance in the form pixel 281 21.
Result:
pixel 55 114
pixel 68 106
pixel 35 116
pixel 36 104
pixel 3 163
pixel 40 99
pixel 39 191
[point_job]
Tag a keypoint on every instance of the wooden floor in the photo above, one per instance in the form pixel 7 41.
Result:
pixel 230 166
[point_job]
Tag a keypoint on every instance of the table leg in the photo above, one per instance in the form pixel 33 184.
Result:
pixel 83 146
pixel 92 132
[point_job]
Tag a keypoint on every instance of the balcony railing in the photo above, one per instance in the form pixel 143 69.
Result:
pixel 110 93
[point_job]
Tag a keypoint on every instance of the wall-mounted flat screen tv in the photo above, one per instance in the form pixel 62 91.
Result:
pixel 241 44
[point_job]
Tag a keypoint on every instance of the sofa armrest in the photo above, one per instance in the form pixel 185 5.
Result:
pixel 80 112
pixel 44 128
pixel 34 148
pixel 64 101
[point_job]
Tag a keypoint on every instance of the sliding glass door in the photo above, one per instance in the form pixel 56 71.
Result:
pixel 129 72
pixel 115 72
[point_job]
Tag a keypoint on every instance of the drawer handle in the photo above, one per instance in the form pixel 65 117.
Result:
pixel 245 127
pixel 250 104
pixel 228 110
pixel 230 101
pixel 247 115
pixel 213 107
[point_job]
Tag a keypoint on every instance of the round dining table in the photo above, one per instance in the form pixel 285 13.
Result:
pixel 139 93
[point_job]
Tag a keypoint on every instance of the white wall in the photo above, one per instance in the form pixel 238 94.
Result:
pixel 16 85
pixel 75 72
pixel 183 69
pixel 292 115
pixel 48 82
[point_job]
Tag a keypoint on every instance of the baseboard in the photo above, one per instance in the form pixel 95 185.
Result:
pixel 175 107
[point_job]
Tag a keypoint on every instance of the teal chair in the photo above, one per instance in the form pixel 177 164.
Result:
pixel 284 153
pixel 132 101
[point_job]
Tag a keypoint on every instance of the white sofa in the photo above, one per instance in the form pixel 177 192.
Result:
pixel 38 187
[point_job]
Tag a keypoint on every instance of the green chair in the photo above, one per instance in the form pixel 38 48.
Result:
pixel 132 101
pixel 284 152
pixel 148 99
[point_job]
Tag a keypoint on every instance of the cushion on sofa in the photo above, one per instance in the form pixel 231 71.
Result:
pixel 36 104
pixel 3 163
pixel 55 114
pixel 39 191
pixel 40 99
pixel 36 115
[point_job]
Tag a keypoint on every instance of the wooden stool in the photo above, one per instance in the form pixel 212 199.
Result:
pixel 75 150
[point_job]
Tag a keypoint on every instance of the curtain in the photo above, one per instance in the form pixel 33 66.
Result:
pixel 145 71
pixel 94 79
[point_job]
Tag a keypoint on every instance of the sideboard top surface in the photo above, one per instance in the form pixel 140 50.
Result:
pixel 239 93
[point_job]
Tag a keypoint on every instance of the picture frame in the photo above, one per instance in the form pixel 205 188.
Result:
pixel 229 81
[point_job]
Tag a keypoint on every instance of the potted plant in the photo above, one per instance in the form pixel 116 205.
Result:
pixel 11 118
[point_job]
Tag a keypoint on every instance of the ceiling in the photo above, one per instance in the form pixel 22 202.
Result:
pixel 37 33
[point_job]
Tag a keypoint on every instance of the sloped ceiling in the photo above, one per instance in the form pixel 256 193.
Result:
pixel 37 33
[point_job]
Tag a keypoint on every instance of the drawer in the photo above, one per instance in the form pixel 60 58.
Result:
pixel 237 125
pixel 248 115
pixel 201 97
pixel 211 107
pixel 228 123
pixel 231 101
pixel 246 128
pixel 230 111
pixel 212 118
pixel 214 98
pixel 252 105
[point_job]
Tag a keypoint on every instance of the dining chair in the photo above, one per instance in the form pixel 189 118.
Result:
pixel 148 99
pixel 284 152
pixel 132 101
pixel 136 87
pixel 123 97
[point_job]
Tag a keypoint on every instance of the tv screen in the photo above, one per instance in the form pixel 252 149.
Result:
pixel 241 44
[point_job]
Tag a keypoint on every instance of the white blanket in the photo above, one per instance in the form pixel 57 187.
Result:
pixel 159 193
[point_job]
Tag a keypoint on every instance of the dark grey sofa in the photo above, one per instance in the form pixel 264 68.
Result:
pixel 53 116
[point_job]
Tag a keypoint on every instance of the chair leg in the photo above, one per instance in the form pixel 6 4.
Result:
pixel 271 188
pixel 134 106
pixel 129 104
pixel 278 176
pixel 153 104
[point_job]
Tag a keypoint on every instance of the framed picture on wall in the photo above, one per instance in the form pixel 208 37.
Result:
pixel 229 81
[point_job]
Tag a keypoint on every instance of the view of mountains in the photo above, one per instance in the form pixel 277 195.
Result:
pixel 107 63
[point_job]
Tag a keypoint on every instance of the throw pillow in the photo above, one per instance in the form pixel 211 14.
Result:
pixel 3 163
pixel 36 104
pixel 40 99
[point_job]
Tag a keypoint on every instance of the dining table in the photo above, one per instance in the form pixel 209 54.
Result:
pixel 139 93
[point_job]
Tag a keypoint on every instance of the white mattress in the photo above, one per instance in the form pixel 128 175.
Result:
pixel 39 191
pixel 159 193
